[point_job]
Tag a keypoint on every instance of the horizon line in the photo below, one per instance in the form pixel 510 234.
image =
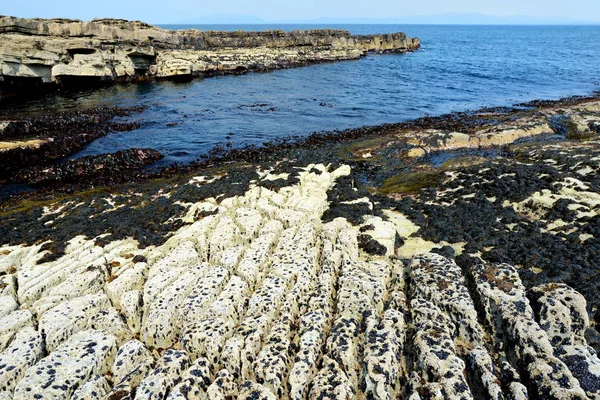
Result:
pixel 496 20
pixel 592 23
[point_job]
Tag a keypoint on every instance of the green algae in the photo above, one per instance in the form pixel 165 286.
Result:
pixel 411 182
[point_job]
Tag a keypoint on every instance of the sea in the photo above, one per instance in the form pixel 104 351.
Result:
pixel 458 68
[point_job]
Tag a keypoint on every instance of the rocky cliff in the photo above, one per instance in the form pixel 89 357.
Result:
pixel 62 51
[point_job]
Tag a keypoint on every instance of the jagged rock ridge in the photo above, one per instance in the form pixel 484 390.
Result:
pixel 257 297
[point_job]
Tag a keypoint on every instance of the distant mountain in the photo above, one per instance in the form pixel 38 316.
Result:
pixel 223 19
pixel 439 19
pixel 460 19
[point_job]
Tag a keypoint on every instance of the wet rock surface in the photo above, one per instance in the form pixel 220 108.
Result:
pixel 278 277
pixel 90 167
pixel 38 143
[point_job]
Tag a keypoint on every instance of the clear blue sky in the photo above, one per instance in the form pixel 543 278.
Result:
pixel 172 11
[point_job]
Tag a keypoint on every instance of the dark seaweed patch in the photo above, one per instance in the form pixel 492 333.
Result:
pixel 342 192
pixel 145 215
pixel 371 246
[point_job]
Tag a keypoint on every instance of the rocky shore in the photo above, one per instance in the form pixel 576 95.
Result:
pixel 51 53
pixel 451 257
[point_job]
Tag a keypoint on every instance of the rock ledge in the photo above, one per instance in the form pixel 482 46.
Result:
pixel 70 52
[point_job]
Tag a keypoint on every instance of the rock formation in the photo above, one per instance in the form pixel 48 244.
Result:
pixel 38 51
pixel 257 296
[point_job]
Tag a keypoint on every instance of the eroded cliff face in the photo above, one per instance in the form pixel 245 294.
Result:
pixel 61 51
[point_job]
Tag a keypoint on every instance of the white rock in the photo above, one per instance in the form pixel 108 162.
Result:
pixel 437 361
pixel 11 324
pixel 26 349
pixel 272 363
pixel 223 387
pixel 384 357
pixel 8 285
pixel 109 320
pixel 254 391
pixel 160 323
pixel 131 279
pixel 94 389
pixel 507 310
pixel 249 220
pixel 195 382
pixel 8 304
pixel 440 281
pixel 207 289
pixel 70 317
pixel 167 374
pixel 87 280
pixel 131 308
pixel 71 365
pixel 331 382
pixel 563 316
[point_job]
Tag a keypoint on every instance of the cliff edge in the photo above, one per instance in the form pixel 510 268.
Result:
pixel 62 51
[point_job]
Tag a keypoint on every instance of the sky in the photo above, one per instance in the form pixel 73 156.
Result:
pixel 176 11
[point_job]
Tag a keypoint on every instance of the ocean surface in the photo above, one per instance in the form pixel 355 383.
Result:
pixel 458 68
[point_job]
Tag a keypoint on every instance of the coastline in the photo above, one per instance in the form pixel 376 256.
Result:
pixel 413 223
pixel 452 257
pixel 31 145
pixel 41 55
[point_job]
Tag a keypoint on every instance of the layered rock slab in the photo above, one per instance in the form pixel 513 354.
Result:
pixel 67 51
pixel 262 299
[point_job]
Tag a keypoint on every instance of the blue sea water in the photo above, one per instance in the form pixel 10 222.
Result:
pixel 458 68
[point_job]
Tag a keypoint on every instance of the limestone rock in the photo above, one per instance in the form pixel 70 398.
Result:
pixel 562 315
pixel 131 279
pixel 8 285
pixel 223 387
pixel 509 314
pixel 69 367
pixel 64 51
pixel 438 364
pixel 384 357
pixel 26 349
pixel 254 391
pixel 561 312
pixel 195 382
pixel 440 281
pixel 131 308
pixel 111 322
pixel 11 324
pixel 94 389
pixel 261 299
pixel 168 373
pixel 8 304
pixel 70 317
pixel 161 320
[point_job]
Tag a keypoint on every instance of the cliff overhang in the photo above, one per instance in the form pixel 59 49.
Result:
pixel 55 52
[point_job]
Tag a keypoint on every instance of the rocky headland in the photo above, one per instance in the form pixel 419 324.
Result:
pixel 47 53
pixel 454 257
